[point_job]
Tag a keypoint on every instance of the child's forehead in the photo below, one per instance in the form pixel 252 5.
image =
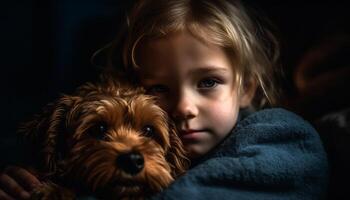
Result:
pixel 179 45
pixel 207 32
pixel 184 40
pixel 182 54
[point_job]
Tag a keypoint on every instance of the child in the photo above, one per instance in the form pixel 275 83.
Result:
pixel 209 66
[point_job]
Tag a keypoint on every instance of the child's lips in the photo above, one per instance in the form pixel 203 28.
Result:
pixel 190 134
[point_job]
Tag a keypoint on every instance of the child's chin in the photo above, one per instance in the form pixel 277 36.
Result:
pixel 194 151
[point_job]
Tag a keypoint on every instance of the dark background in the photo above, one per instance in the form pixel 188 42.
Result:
pixel 46 45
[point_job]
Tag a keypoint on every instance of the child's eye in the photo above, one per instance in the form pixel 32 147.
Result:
pixel 157 89
pixel 208 83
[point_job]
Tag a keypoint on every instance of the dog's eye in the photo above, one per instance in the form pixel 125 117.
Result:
pixel 98 131
pixel 148 131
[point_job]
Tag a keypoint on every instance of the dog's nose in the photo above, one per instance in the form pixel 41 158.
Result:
pixel 131 163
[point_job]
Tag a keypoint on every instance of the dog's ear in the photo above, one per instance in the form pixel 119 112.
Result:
pixel 45 134
pixel 176 155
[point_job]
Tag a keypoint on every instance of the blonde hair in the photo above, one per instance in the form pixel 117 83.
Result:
pixel 252 49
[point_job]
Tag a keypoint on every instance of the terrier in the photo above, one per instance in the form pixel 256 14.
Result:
pixel 109 139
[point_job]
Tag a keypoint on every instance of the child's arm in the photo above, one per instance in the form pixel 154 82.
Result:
pixel 16 183
pixel 271 154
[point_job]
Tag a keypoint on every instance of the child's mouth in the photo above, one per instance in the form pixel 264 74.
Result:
pixel 191 134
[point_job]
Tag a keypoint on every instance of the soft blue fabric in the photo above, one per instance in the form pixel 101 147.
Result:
pixel 271 154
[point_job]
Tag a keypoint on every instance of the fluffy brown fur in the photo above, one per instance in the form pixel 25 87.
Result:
pixel 108 140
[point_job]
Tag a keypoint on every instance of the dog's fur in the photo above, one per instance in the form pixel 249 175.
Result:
pixel 88 143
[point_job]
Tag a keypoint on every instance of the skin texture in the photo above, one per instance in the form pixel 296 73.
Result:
pixel 195 84
pixel 16 183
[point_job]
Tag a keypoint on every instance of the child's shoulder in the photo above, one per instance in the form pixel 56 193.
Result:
pixel 272 149
pixel 275 128
pixel 275 117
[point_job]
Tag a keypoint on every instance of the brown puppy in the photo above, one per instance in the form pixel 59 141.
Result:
pixel 109 140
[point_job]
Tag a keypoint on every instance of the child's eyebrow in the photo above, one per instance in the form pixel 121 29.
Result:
pixel 199 70
pixel 209 69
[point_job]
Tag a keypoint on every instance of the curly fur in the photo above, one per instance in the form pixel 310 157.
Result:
pixel 77 140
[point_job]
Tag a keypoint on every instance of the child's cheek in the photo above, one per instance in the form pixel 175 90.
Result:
pixel 224 117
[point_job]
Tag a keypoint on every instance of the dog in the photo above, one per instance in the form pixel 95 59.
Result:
pixel 110 140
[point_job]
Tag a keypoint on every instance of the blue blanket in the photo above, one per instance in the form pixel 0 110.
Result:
pixel 271 154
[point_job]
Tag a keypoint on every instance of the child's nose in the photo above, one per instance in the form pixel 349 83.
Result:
pixel 185 107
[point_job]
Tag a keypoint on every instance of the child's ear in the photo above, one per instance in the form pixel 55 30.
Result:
pixel 247 93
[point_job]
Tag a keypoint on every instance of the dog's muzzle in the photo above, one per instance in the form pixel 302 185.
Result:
pixel 131 163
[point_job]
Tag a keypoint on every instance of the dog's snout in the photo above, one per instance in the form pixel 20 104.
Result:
pixel 131 163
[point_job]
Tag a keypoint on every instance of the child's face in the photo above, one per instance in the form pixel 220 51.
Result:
pixel 195 84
